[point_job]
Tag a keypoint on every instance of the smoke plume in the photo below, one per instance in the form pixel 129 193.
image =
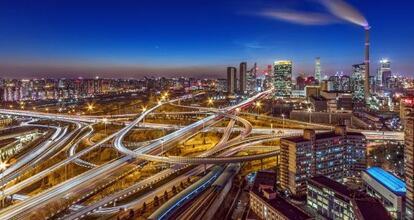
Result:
pixel 337 10
pixel 298 17
pixel 345 11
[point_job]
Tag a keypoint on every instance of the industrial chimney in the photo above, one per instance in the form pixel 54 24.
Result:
pixel 367 61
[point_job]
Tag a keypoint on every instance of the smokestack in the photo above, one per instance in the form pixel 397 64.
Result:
pixel 366 81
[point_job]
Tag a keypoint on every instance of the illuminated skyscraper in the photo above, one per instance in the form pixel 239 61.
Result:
pixel 242 77
pixel 409 165
pixel 318 69
pixel 338 155
pixel 357 80
pixel 384 72
pixel 252 79
pixel 231 80
pixel 282 78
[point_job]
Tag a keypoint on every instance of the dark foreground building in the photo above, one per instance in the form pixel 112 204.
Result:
pixel 334 200
pixel 266 203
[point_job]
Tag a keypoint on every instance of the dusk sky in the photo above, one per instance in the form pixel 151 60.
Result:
pixel 70 38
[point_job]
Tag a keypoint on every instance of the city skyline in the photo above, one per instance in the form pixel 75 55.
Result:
pixel 209 109
pixel 72 39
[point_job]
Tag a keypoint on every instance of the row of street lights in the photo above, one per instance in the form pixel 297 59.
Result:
pixel 3 167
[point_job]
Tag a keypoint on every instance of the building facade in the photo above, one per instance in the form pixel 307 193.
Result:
pixel 267 204
pixel 282 78
pixel 338 154
pixel 334 200
pixel 357 81
pixel 243 78
pixel 409 164
pixel 318 75
pixel 384 72
pixel 389 189
pixel 231 80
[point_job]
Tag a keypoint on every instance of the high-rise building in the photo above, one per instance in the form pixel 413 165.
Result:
pixel 318 76
pixel 338 155
pixel 251 79
pixel 357 81
pixel 334 200
pixel 409 165
pixel 231 80
pixel 384 72
pixel 282 78
pixel 242 78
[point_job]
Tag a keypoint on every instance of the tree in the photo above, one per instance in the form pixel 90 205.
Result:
pixel 156 201
pixel 182 185
pixel 174 190
pixel 188 180
pixel 144 207
pixel 131 214
pixel 165 195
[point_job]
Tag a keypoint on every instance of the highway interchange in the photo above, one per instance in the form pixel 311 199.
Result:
pixel 65 200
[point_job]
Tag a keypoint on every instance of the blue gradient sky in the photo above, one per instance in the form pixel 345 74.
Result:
pixel 71 38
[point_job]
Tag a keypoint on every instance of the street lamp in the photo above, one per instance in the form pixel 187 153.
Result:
pixel 283 121
pixel 210 101
pixel 105 121
pixel 143 110
pixel 258 105
pixel 90 107
pixel 310 115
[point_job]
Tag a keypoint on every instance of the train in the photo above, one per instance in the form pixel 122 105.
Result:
pixel 168 208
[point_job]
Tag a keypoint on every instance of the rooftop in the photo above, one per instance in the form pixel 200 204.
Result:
pixel 317 98
pixel 278 203
pixel 333 185
pixel 265 178
pixel 282 206
pixel 387 179
pixel 371 208
pixel 320 136
pixel 366 206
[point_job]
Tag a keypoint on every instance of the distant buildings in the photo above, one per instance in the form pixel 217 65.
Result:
pixel 384 72
pixel 253 81
pixel 338 154
pixel 333 200
pixel 282 78
pixel 231 80
pixel 357 79
pixel 337 101
pixel 409 164
pixel 318 75
pixel 267 204
pixel 14 90
pixel 247 80
pixel 243 78
pixel 389 189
